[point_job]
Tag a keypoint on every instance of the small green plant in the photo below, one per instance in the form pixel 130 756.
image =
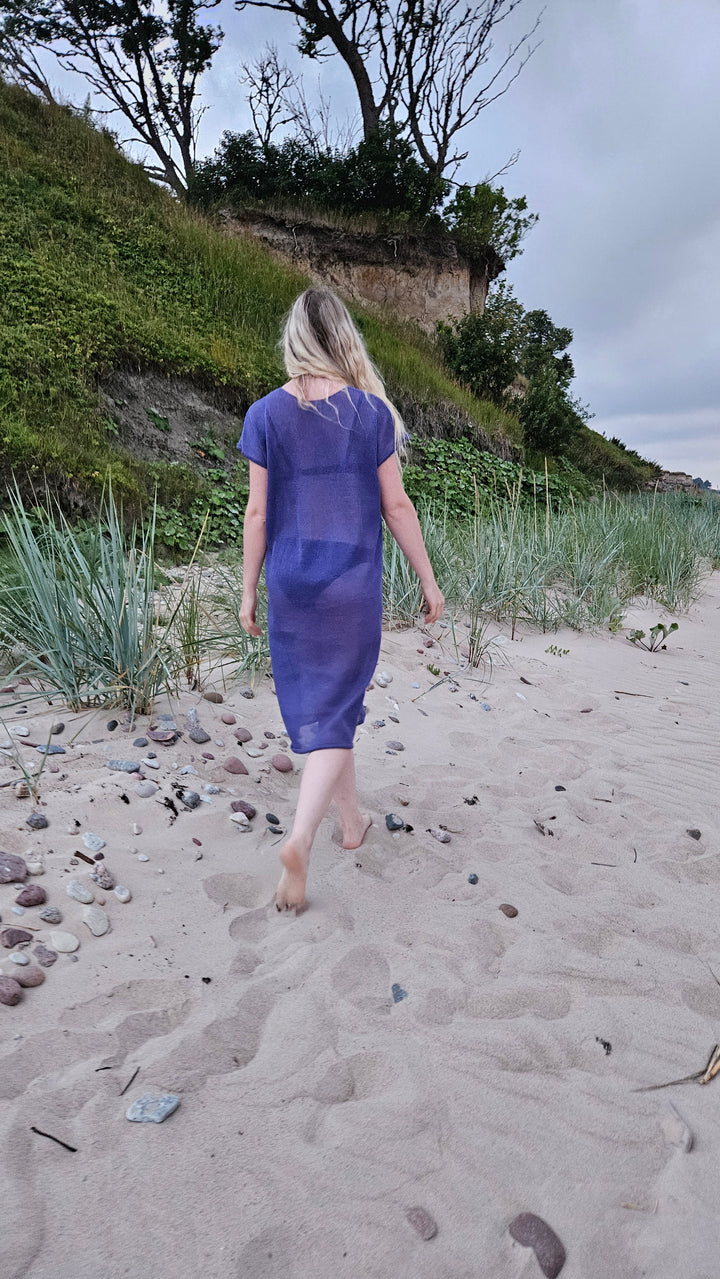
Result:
pixel 157 419
pixel 658 634
pixel 434 670
pixel 207 447
pixel 557 652
pixel 615 621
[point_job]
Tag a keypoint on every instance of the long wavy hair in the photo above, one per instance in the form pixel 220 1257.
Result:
pixel 320 340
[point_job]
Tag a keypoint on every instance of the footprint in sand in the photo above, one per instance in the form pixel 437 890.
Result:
pixel 363 978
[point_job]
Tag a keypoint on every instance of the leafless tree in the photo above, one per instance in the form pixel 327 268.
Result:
pixel 142 57
pixel 18 65
pixel 271 86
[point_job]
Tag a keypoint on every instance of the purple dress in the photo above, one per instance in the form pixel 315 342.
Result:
pixel 323 565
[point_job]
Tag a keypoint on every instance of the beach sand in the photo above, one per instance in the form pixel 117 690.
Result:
pixel 316 1106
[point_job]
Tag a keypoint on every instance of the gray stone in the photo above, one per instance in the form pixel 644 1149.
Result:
pixel 140 742
pixel 51 915
pixel 209 789
pixel 393 822
pixel 199 736
pixel 64 942
pixel 37 821
pixel 254 751
pixel 57 729
pixel 146 789
pixel 111 725
pixel 124 765
pixel 20 731
pixel 79 892
pixel 149 763
pixel 440 835
pixel 93 843
pixel 152 1108
pixel 12 868
pixel 101 875
pixel 96 920
pixel 246 692
pixel 190 798
pixel 123 894
pixel 18 958
pixel 45 957
pixel 142 857
pixel 51 750
pixel 392 745
pixel 188 770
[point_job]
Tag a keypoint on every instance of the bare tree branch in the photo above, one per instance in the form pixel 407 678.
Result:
pixel 270 83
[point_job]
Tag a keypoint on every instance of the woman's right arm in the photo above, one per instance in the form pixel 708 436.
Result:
pixel 401 518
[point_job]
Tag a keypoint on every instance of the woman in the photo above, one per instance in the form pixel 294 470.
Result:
pixel 323 453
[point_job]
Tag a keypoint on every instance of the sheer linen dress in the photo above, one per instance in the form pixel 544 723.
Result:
pixel 323 565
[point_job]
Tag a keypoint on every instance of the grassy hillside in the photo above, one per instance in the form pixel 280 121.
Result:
pixel 100 270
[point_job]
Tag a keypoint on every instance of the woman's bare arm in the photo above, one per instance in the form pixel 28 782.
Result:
pixel 254 547
pixel 401 518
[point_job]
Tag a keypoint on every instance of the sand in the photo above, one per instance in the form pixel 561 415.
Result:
pixel 315 1110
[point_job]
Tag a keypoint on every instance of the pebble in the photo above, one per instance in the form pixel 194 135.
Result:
pixel 212 696
pixel 228 718
pixel 51 750
pixel 199 736
pixel 272 820
pixel 254 751
pixel 142 857
pixel 21 790
pixel 122 893
pixel 18 910
pixel 65 943
pixel 473 879
pixel 378 723
pixel 150 763
pixel 101 876
pixel 51 915
pixel 96 920
pixel 21 731
pixel 240 820
pixel 79 892
pixel 123 765
pixel 207 755
pixel 45 956
pixel 421 1221
pixel 234 765
pixel 36 865
pixel 559 788
pixel 18 958
pixel 695 834
pixel 93 843
pixel 146 789
pixel 392 745
pixel 12 868
pixel 189 771
pixel 242 806
pixel 507 909
pixel 30 976
pixel 152 1108
pixel 190 798
pixel 383 679
pixel 414 684
pixel 136 828
pixel 441 836
pixel 10 991
pixel 485 706
pixel 192 715
pixel 394 719
pixel 11 937
pixel 209 789
pixel 397 992
pixel 243 735
pixel 246 692
pixel 533 1232
pixel 393 822
pixel 282 763
pixel 37 821
pixel 140 742
pixel 111 725
pixel 31 895
pixel 167 736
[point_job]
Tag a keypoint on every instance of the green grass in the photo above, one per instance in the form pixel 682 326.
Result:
pixel 101 269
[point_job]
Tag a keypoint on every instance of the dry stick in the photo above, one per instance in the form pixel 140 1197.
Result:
pixel 130 1081
pixel 444 680
pixel 626 694
pixel 705 1075
pixel 50 1137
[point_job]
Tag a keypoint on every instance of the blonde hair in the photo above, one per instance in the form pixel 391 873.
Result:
pixel 320 340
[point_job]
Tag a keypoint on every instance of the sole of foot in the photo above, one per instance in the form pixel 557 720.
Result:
pixel 290 892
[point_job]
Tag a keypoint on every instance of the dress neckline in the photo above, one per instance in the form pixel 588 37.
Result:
pixel 321 399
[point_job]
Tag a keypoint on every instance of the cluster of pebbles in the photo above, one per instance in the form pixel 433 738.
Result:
pixel 36 921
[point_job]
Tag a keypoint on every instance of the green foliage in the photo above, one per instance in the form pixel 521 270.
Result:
pixel 157 419
pixel 549 417
pixel 557 652
pixel 381 174
pixel 483 216
pixel 484 349
pixel 658 633
pixel 465 479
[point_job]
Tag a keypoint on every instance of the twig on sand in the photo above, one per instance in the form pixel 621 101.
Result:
pixel 437 684
pixel 626 694
pixel 50 1137
pixel 603 863
pixel 130 1081
pixel 704 1076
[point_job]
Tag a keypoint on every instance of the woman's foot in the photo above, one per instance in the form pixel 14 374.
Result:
pixel 353 835
pixel 290 893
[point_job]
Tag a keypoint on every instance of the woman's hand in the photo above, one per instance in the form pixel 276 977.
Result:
pixel 248 610
pixel 434 602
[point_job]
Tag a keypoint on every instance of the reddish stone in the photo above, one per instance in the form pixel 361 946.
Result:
pixel 29 976
pixel 242 806
pixel 10 991
pixel 282 763
pixel 10 937
pixel 234 765
pixel 12 868
pixel 243 735
pixel 31 895
pixel 228 718
pixel 44 955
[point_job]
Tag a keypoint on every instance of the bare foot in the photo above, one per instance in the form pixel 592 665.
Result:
pixel 353 836
pixel 290 893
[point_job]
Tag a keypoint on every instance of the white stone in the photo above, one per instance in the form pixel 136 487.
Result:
pixel 150 763
pixel 240 819
pixel 65 943
pixel 79 892
pixel 20 731
pixel 137 829
pixel 142 857
pixel 123 894
pixel 93 842
pixel 17 957
pixel 96 920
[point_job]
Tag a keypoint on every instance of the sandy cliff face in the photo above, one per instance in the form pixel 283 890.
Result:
pixel 421 278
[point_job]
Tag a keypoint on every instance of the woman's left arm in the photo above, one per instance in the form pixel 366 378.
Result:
pixel 254 547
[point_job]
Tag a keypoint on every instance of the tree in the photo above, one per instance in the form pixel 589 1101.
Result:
pixel 142 58
pixel 414 63
pixel 484 215
pixel 270 85
pixel 484 348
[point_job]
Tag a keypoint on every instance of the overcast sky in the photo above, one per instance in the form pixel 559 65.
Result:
pixel 616 120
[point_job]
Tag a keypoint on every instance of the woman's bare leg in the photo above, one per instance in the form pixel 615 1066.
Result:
pixel 353 823
pixel 321 775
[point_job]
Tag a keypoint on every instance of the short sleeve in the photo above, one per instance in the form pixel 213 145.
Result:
pixel 252 442
pixel 385 433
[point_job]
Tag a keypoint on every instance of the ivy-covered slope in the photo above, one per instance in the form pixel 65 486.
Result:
pixel 100 271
